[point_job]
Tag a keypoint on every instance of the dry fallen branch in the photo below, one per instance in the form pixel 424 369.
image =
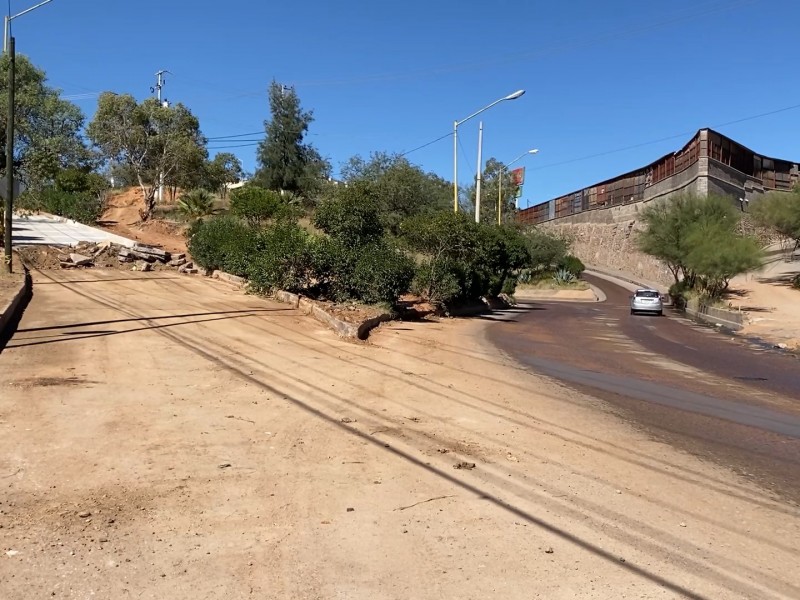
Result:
pixel 423 502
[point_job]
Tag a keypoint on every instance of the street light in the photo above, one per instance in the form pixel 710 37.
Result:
pixel 500 183
pixel 513 96
pixel 10 18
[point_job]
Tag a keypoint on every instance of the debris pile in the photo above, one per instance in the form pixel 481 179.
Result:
pixel 140 257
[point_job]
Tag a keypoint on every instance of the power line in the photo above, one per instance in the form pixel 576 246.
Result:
pixel 447 135
pixel 234 146
pixel 664 139
pixel 237 135
pixel 562 47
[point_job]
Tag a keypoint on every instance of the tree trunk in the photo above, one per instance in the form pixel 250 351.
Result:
pixel 149 205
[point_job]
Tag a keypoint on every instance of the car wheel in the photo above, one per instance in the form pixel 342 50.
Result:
pixel 661 313
pixel 633 312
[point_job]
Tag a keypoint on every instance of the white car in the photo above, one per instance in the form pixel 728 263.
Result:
pixel 647 301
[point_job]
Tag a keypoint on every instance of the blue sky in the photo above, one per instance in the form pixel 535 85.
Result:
pixel 599 76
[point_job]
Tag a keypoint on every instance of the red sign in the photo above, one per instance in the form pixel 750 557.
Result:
pixel 518 176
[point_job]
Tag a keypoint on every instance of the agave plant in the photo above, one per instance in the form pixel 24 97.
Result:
pixel 196 203
pixel 563 277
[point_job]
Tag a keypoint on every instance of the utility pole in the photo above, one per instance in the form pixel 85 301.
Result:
pixel 160 81
pixel 479 176
pixel 9 201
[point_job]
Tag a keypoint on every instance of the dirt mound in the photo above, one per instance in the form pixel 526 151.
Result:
pixel 122 217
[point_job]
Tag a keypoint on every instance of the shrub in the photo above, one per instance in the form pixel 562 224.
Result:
pixel 350 216
pixel 283 260
pixel 796 282
pixel 572 264
pixel 464 260
pixel 438 281
pixel 256 204
pixel 83 207
pixel 196 203
pixel 546 250
pixel 223 242
pixel 382 273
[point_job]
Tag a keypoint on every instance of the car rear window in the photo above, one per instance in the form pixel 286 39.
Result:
pixel 647 294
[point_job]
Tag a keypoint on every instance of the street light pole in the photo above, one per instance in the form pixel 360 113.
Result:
pixel 500 183
pixel 10 18
pixel 513 96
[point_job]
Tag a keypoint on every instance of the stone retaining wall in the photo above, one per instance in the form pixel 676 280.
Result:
pixel 613 246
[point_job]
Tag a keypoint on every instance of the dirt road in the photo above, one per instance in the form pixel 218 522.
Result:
pixel 169 437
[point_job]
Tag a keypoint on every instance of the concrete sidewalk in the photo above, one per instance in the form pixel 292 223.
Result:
pixel 33 230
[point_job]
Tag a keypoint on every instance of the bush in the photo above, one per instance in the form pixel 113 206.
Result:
pixel 350 216
pixel 283 260
pixel 382 273
pixel 256 204
pixel 796 282
pixel 83 207
pixel 464 260
pixel 572 264
pixel 223 242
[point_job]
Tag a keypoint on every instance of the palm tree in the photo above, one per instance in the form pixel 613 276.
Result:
pixel 196 203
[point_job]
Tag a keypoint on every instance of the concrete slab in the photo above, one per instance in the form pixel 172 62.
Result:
pixel 32 230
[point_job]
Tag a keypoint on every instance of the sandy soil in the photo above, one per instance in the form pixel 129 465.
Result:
pixel 9 286
pixel 771 305
pixel 165 437
pixel 122 217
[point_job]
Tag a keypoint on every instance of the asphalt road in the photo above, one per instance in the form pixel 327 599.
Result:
pixel 712 394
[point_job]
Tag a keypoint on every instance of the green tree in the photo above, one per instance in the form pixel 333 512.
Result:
pixel 400 189
pixel 152 140
pixel 780 212
pixel 696 237
pixel 47 132
pixel 225 168
pixel 286 162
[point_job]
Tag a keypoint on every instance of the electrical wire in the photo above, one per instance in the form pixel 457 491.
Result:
pixel 663 139
pixel 559 47
pixel 447 135
pixel 236 135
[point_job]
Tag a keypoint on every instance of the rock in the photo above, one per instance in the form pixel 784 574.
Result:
pixel 102 247
pixel 179 256
pixel 191 271
pixel 145 266
pixel 683 524
pixel 155 253
pixel 224 465
pixel 12 552
pixel 782 346
pixel 350 509
pixel 177 262
pixel 549 551
pixel 464 465
pixel 81 260
pixel 84 514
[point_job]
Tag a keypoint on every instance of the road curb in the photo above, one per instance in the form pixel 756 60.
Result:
pixel 359 331
pixel 16 305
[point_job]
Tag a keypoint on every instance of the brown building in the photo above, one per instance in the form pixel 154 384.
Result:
pixel 709 163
